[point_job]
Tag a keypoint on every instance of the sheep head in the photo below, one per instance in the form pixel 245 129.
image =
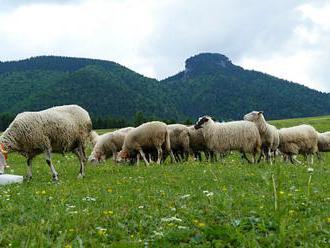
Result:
pixel 96 158
pixel 123 155
pixel 202 121
pixel 253 116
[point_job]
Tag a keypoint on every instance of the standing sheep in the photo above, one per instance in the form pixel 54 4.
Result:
pixel 296 140
pixel 197 144
pixel 58 129
pixel 179 137
pixel 108 144
pixel 148 136
pixel 323 143
pixel 269 134
pixel 242 136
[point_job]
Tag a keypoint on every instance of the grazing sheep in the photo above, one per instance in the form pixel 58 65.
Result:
pixel 296 140
pixel 197 144
pixel 58 129
pixel 241 136
pixel 179 137
pixel 269 134
pixel 323 143
pixel 108 144
pixel 146 137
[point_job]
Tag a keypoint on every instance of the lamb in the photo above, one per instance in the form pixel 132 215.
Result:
pixel 296 140
pixel 197 144
pixel 269 134
pixel 108 144
pixel 179 137
pixel 241 136
pixel 146 137
pixel 59 129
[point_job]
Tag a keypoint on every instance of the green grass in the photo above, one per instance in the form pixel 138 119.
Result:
pixel 190 204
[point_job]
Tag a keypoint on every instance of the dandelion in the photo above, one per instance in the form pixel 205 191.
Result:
pixel 108 212
pixel 281 192
pixel 201 224
pixel 109 190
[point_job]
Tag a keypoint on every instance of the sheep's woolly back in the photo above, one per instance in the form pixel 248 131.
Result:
pixel 147 136
pixel 109 143
pixel 196 139
pixel 323 142
pixel 236 135
pixel 179 136
pixel 298 139
pixel 58 129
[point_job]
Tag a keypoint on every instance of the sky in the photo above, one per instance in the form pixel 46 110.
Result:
pixel 289 39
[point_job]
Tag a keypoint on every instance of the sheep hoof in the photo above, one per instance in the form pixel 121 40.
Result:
pixel 80 176
pixel 55 178
pixel 27 178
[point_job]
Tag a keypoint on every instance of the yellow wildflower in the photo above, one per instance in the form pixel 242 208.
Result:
pixel 201 224
pixel 110 190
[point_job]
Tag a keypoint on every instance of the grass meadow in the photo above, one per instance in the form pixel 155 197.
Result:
pixel 191 204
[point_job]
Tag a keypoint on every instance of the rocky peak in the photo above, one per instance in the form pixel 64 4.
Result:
pixel 206 63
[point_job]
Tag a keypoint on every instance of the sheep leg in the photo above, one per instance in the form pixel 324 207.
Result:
pixel 51 166
pixel 160 154
pixel 80 156
pixel 143 156
pixel 29 169
pixel 243 156
pixel 269 156
pixel 114 156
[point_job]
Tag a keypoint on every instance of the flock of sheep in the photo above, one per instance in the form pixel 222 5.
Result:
pixel 69 129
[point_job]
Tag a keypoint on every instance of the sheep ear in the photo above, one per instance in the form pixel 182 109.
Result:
pixel 260 112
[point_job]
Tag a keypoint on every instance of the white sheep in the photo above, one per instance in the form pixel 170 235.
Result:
pixel 108 144
pixel 197 144
pixel 323 143
pixel 296 140
pixel 59 129
pixel 179 137
pixel 242 136
pixel 269 134
pixel 148 136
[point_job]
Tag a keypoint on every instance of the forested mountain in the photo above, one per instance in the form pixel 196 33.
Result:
pixel 210 84
pixel 215 86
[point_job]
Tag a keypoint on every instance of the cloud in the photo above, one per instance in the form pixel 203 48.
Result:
pixel 289 39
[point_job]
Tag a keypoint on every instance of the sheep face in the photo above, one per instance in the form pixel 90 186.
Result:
pixel 202 121
pixel 96 158
pixel 253 116
pixel 123 156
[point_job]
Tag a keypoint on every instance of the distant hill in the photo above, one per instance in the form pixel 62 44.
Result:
pixel 210 84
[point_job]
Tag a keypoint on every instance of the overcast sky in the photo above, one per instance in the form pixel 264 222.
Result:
pixel 286 38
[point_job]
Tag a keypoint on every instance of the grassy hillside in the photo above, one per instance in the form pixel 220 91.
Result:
pixel 174 205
